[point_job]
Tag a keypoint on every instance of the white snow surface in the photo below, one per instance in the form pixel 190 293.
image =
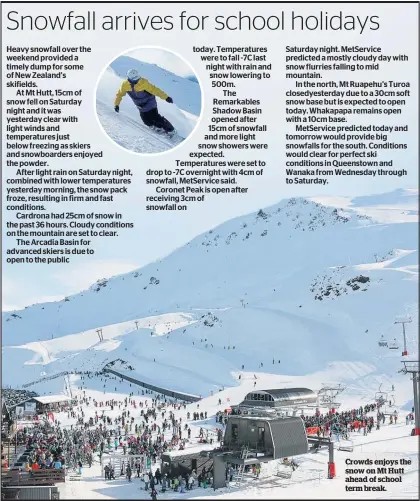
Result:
pixel 126 127
pixel 401 205
pixel 309 481
pixel 279 284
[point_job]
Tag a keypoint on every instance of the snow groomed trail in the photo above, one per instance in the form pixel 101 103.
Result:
pixel 126 128
pixel 133 135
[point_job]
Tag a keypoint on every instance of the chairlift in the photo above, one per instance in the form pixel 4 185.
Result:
pixel 393 345
pixel 383 343
pixel 381 396
pixel 391 400
pixel 346 445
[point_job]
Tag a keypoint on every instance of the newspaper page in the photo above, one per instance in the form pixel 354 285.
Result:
pixel 210 250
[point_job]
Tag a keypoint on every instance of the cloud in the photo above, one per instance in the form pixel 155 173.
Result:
pixel 82 276
pixel 11 307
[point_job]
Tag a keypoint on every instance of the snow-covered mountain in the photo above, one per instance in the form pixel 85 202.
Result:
pixel 126 127
pixel 307 284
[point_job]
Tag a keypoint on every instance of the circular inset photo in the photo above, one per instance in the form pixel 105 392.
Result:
pixel 148 100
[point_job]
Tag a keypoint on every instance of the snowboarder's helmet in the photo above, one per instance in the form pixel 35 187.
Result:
pixel 133 75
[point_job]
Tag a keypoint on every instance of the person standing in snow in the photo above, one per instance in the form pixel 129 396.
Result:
pixel 152 480
pixel 138 467
pixel 143 95
pixel 164 483
pixel 128 472
pixel 146 481
pixel 158 476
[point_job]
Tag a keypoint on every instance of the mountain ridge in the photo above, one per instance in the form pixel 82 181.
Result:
pixel 299 281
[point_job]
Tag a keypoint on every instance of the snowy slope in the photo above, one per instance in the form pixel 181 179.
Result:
pixel 400 205
pixel 186 93
pixel 309 481
pixel 126 127
pixel 300 282
pixel 398 198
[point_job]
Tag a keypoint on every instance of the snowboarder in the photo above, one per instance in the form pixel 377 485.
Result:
pixel 143 93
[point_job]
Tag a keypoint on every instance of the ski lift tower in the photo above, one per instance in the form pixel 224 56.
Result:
pixel 99 332
pixel 411 367
pixel 403 321
pixel 327 396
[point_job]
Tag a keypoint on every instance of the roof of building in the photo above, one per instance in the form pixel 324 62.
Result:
pixel 51 399
pixel 12 398
pixel 17 404
pixel 285 393
pixel 274 417
pixel 189 450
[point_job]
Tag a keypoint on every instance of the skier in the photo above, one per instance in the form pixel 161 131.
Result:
pixel 143 93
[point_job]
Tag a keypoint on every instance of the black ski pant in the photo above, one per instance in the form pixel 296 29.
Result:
pixel 152 118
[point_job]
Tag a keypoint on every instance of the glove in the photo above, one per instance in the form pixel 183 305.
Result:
pixel 169 100
pixel 117 109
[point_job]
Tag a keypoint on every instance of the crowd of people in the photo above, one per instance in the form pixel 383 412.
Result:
pixel 340 424
pixel 129 435
pixel 138 430
pixel 139 445
pixel 151 481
